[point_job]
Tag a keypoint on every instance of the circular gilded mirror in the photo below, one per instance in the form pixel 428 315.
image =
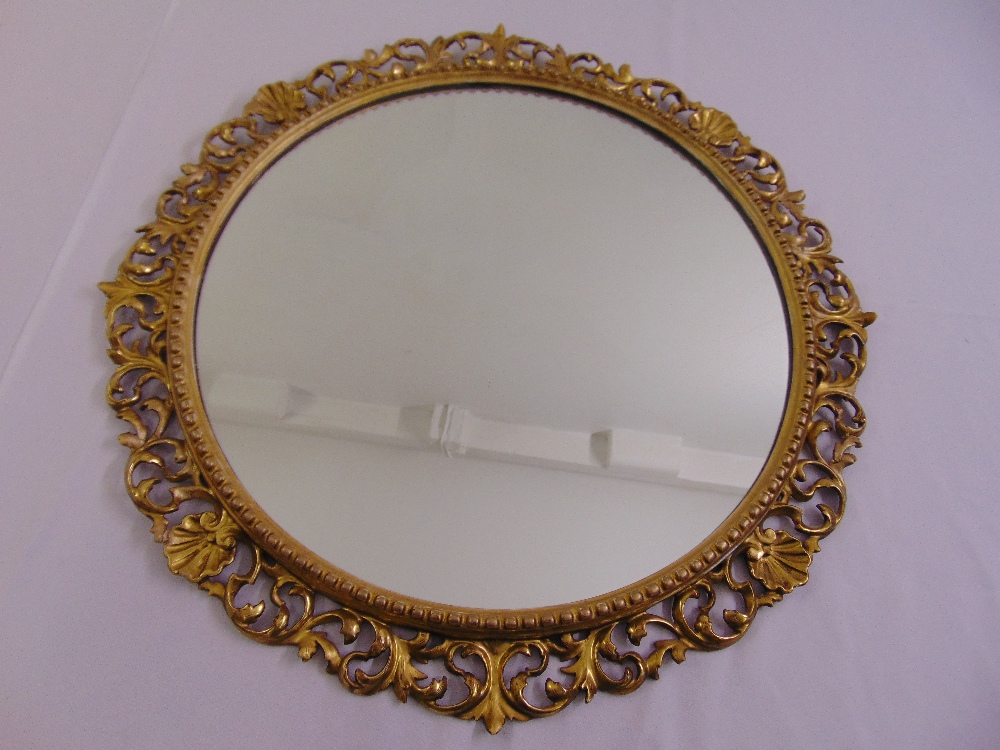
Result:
pixel 486 357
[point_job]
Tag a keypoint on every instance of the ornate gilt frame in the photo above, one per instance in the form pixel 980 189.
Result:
pixel 506 664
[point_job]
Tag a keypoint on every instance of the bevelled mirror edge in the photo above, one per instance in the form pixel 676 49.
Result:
pixel 150 317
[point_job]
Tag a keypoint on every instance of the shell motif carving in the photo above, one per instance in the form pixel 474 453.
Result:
pixel 276 103
pixel 717 127
pixel 201 546
pixel 778 560
pixel 168 471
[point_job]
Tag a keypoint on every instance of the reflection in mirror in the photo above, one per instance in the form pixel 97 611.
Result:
pixel 492 348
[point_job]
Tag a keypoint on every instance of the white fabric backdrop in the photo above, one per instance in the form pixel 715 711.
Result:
pixel 885 114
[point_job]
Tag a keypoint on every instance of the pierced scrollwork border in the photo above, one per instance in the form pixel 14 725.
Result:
pixel 489 666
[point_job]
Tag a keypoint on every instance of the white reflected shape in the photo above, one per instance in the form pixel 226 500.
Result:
pixel 489 274
pixel 621 453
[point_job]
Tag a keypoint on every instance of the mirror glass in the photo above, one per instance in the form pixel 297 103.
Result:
pixel 492 348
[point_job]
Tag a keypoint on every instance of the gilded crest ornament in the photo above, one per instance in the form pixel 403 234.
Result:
pixel 214 534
